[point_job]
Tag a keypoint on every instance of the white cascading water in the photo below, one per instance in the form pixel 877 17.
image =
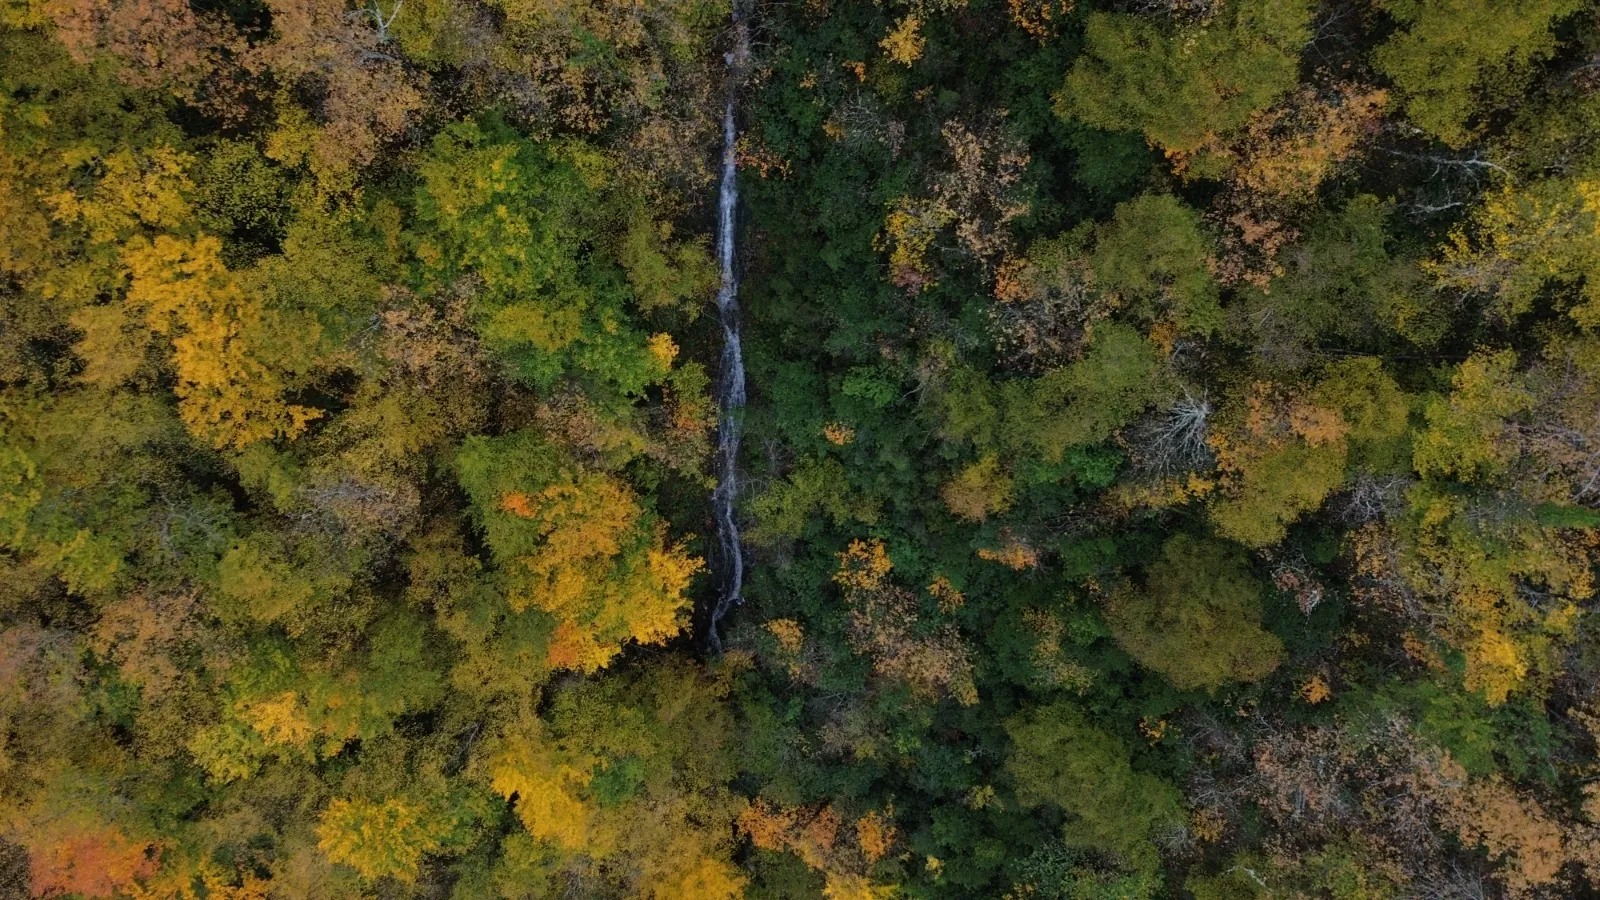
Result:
pixel 730 381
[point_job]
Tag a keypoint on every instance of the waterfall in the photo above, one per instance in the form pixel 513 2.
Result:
pixel 730 380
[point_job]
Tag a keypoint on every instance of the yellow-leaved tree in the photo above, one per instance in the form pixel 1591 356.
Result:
pixel 378 840
pixel 547 784
pixel 578 545
pixel 626 778
pixel 1283 451
pixel 1503 588
pixel 230 393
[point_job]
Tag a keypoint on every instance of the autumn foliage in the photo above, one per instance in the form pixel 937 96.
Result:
pixel 1168 455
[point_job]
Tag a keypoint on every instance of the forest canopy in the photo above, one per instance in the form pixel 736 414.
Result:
pixel 1170 458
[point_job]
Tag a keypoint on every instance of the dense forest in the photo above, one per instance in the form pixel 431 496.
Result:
pixel 1170 464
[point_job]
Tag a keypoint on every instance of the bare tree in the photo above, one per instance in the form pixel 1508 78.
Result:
pixel 379 20
pixel 1174 439
pixel 1371 498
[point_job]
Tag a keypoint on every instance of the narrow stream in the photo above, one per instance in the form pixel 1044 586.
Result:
pixel 730 379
